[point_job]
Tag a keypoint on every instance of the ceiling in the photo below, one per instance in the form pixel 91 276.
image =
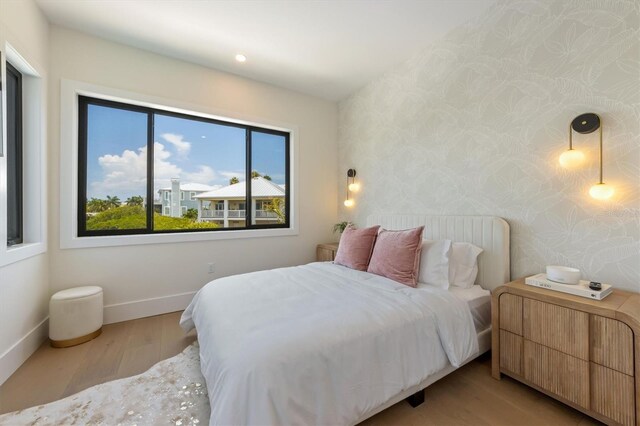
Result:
pixel 324 48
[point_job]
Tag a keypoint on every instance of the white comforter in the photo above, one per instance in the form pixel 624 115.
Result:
pixel 320 344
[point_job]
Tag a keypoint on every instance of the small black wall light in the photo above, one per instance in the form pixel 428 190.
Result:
pixel 572 158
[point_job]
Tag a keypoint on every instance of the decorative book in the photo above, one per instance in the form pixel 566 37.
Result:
pixel 581 289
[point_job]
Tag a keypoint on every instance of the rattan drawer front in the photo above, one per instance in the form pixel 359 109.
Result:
pixel 511 352
pixel 511 313
pixel 556 372
pixel 612 394
pixel 564 329
pixel 611 344
pixel 326 252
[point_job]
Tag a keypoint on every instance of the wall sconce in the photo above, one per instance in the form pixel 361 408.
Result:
pixel 352 186
pixel 585 124
pixel 571 158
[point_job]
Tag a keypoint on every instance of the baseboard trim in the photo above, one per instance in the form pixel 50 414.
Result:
pixel 20 351
pixel 17 354
pixel 119 312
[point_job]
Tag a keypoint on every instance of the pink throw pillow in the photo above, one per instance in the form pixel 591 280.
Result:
pixel 355 247
pixel 396 255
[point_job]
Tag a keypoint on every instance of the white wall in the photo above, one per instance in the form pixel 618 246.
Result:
pixel 475 124
pixel 142 272
pixel 24 285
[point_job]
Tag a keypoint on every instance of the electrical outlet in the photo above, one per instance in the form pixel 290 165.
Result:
pixel 211 268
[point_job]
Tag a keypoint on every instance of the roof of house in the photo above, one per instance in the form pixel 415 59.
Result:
pixel 193 187
pixel 260 187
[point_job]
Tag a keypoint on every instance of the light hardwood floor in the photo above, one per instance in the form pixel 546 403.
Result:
pixel 469 396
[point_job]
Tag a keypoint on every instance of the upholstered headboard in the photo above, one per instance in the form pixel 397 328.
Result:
pixel 488 232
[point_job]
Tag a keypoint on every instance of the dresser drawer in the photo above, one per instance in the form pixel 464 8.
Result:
pixel 611 344
pixel 563 329
pixel 511 352
pixel 612 394
pixel 511 313
pixel 556 372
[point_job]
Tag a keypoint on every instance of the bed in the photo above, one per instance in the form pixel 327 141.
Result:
pixel 324 344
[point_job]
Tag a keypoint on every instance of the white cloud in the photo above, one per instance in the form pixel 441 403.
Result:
pixel 126 174
pixel 204 175
pixel 182 147
pixel 163 170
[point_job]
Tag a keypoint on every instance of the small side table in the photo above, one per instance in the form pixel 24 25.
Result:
pixel 582 352
pixel 326 252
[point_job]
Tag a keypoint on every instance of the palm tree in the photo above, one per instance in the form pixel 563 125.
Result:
pixel 96 205
pixel 113 202
pixel 234 180
pixel 277 206
pixel 135 200
pixel 255 174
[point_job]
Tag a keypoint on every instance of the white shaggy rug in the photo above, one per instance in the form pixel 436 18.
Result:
pixel 172 392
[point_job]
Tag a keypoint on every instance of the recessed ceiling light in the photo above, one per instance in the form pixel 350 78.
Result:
pixel 241 58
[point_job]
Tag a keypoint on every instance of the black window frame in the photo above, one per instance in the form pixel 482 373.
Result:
pixel 83 106
pixel 15 147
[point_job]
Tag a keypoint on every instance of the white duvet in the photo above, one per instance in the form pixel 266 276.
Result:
pixel 320 344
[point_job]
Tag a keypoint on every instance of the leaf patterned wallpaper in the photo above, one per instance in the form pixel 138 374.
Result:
pixel 474 125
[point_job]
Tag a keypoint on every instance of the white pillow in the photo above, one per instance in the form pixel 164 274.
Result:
pixel 434 263
pixel 463 264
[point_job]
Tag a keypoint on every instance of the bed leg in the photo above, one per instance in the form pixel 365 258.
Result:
pixel 416 399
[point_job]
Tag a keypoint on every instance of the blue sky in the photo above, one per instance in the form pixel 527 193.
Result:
pixel 194 151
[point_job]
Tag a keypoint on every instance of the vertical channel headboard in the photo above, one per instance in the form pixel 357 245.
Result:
pixel 490 233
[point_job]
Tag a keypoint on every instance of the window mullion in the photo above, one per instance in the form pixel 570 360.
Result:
pixel 15 182
pixel 82 166
pixel 248 203
pixel 150 170
pixel 287 182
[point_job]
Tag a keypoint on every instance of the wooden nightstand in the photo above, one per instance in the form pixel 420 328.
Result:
pixel 326 252
pixel 582 352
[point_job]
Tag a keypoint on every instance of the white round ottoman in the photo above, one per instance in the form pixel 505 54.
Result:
pixel 75 316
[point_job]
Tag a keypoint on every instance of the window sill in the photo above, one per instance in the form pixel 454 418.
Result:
pixel 20 252
pixel 130 240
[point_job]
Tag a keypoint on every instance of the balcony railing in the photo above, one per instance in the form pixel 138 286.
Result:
pixel 213 213
pixel 264 214
pixel 237 214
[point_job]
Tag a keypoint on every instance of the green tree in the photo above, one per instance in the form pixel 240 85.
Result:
pixel 191 214
pixel 277 206
pixel 134 217
pixel 267 177
pixel 136 200
pixel 234 180
pixel 167 223
pixel 113 202
pixel 97 205
pixel 255 174
pixel 125 217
